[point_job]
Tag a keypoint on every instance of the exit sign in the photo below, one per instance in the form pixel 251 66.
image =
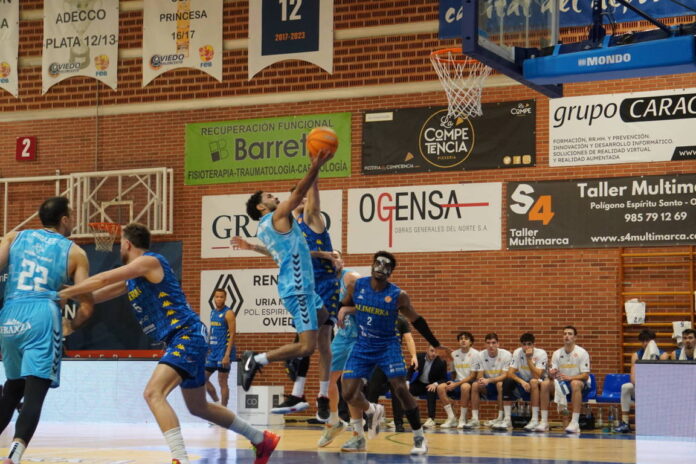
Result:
pixel 26 149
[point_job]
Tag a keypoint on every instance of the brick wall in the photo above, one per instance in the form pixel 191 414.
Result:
pixel 503 291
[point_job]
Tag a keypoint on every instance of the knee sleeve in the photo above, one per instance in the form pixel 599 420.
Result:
pixel 508 389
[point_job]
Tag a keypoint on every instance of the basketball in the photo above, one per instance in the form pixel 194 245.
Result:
pixel 321 138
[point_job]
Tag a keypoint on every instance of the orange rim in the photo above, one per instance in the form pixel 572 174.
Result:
pixel 444 59
pixel 109 227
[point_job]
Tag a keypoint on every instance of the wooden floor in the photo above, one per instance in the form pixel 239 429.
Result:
pixel 140 444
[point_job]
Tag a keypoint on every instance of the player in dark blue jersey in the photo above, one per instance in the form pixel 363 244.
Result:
pixel 376 303
pixel 40 262
pixel 221 349
pixel 161 308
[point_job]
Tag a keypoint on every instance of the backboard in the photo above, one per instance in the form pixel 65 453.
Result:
pixel 521 39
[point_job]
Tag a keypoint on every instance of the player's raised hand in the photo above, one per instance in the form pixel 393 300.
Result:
pixel 242 244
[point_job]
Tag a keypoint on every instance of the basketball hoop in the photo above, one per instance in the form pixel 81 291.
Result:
pixel 462 78
pixel 105 234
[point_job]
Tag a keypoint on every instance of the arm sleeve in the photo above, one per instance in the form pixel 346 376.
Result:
pixel 422 327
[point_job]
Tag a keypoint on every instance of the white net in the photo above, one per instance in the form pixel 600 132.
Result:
pixel 104 234
pixel 462 78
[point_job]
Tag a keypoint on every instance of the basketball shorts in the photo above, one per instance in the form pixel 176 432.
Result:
pixel 303 309
pixel 340 350
pixel 31 339
pixel 328 290
pixel 489 393
pixel 586 387
pixel 363 359
pixel 186 352
pixel 214 360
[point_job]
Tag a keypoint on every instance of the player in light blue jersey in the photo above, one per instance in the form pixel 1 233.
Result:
pixel 341 346
pixel 221 349
pixel 160 306
pixel 40 262
pixel 376 303
pixel 283 240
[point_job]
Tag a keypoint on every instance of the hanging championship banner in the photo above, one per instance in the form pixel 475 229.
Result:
pixel 182 34
pixel 80 39
pixel 451 217
pixel 290 30
pixel 224 217
pixel 9 46
pixel 597 213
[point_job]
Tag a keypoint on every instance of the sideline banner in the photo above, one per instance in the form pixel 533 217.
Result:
pixel 9 47
pixel 261 149
pixel 595 213
pixel 451 217
pixel 623 128
pixel 290 30
pixel 182 34
pixel 80 39
pixel 224 216
pixel 426 140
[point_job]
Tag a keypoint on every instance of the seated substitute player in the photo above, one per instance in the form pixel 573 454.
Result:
pixel 160 306
pixel 221 349
pixel 570 365
pixel 526 373
pixel 376 303
pixel 686 353
pixel 466 362
pixel 495 362
pixel 648 351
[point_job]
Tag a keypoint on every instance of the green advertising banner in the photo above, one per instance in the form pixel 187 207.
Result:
pixel 261 149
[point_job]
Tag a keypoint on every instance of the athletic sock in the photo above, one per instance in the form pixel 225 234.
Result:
pixel 575 418
pixel 298 387
pixel 371 409
pixel 474 414
pixel 418 433
pixel 545 416
pixel 333 418
pixel 535 413
pixel 245 429
pixel 261 358
pixel 625 418
pixel 16 452
pixel 324 388
pixel 176 445
pixel 508 412
pixel 448 410
pixel 357 426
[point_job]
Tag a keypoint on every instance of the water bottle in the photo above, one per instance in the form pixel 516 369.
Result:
pixel 600 422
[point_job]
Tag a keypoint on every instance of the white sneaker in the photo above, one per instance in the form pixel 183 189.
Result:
pixel 471 424
pixel 502 426
pixel 492 422
pixel 429 423
pixel 542 427
pixel 420 446
pixel 573 427
pixel 531 425
pixel 374 421
pixel 391 425
pixel 449 423
pixel 461 423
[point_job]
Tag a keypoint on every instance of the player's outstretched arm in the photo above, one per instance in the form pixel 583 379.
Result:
pixel 5 248
pixel 143 266
pixel 419 324
pixel 312 210
pixel 242 244
pixel 285 208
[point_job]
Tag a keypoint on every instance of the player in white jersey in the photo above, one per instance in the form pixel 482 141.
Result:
pixel 524 377
pixel 495 362
pixel 570 366
pixel 466 362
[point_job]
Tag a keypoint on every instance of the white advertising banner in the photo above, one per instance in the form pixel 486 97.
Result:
pixel 290 30
pixel 623 128
pixel 253 295
pixel 224 216
pixel 425 218
pixel 182 34
pixel 80 39
pixel 9 46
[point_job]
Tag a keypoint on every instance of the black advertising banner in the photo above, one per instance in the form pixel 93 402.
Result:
pixel 427 140
pixel 597 213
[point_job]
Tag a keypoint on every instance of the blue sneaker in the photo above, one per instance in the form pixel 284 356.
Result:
pixel 622 428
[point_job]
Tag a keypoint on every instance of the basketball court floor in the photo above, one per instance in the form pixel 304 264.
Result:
pixel 143 444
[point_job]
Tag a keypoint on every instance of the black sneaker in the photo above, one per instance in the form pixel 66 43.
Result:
pixel 400 428
pixel 323 412
pixel 249 368
pixel 290 405
pixel 623 427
